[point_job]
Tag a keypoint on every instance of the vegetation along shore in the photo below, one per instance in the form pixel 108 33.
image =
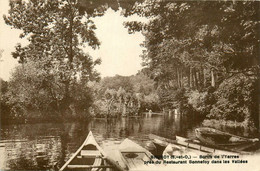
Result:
pixel 200 58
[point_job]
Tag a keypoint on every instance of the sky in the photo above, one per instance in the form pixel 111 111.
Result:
pixel 119 51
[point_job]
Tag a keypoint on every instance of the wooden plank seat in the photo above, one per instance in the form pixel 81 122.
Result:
pixel 81 157
pixel 90 153
pixel 90 156
pixel 87 166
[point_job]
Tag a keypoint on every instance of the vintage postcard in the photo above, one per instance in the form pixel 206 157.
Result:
pixel 129 85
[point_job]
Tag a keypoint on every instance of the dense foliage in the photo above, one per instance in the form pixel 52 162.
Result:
pixel 125 95
pixel 201 57
pixel 209 49
pixel 54 70
pixel 237 99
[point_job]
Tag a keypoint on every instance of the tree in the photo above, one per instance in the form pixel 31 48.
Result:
pixel 237 100
pixel 125 94
pixel 120 96
pixel 110 96
pixel 220 37
pixel 57 32
pixel 4 107
pixel 198 45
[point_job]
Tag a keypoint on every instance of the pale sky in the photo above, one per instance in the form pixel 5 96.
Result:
pixel 119 50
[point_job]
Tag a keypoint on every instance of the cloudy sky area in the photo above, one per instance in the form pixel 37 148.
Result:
pixel 119 50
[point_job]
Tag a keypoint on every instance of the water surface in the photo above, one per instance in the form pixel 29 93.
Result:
pixel 42 146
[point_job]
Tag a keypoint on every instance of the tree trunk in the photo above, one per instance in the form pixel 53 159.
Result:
pixel 191 78
pixel 71 41
pixel 70 57
pixel 188 76
pixel 178 77
pixel 204 78
pixel 212 78
pixel 200 78
pixel 195 79
pixel 120 104
pixel 181 78
pixel 124 109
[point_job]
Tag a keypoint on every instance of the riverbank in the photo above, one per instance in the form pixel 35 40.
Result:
pixel 232 126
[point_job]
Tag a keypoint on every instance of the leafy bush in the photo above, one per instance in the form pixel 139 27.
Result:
pixel 202 101
pixel 236 100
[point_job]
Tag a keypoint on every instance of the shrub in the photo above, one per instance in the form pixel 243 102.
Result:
pixel 237 100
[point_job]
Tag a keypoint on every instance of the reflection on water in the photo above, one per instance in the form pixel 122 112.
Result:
pixel 42 146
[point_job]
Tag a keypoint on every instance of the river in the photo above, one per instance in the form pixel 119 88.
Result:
pixel 41 146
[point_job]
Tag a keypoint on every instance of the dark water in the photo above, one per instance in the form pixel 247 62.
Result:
pixel 42 146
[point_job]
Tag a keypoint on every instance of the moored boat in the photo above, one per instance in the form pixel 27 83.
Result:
pixel 224 140
pixel 89 156
pixel 160 144
pixel 182 145
pixel 134 156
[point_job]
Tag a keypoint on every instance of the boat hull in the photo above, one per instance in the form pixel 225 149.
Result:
pixel 134 156
pixel 190 145
pixel 223 140
pixel 89 156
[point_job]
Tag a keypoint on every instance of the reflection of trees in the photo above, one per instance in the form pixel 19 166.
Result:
pixel 110 127
pixel 167 127
pixel 36 154
pixel 123 130
pixel 41 145
pixel 63 140
pixel 130 126
pixel 172 125
pixel 71 137
pixel 44 151
pixel 21 162
pixel 140 127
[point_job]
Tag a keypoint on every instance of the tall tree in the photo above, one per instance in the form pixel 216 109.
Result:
pixel 57 32
pixel 198 45
pixel 221 37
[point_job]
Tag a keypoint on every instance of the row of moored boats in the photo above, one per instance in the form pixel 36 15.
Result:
pixel 129 155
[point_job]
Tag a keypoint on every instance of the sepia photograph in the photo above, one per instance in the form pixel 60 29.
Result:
pixel 129 85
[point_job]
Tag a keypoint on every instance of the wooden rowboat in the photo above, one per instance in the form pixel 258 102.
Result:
pixel 224 140
pixel 89 156
pixel 178 146
pixel 134 156
pixel 183 145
